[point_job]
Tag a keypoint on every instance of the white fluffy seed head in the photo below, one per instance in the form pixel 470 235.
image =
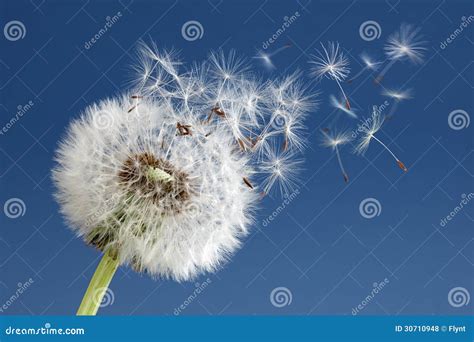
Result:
pixel 176 226
pixel 166 175
pixel 330 62
pixel 368 131
pixel 406 43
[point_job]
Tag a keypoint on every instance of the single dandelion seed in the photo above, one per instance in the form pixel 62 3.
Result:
pixel 333 64
pixel 368 65
pixel 281 170
pixel 266 57
pixel 337 104
pixel 404 44
pixel 368 130
pixel 334 140
pixel 397 97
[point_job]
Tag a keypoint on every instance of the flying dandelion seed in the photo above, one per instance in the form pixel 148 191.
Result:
pixel 280 170
pixel 368 133
pixel 337 104
pixel 404 44
pixel 266 58
pixel 333 64
pixel 165 179
pixel 368 65
pixel 397 97
pixel 334 140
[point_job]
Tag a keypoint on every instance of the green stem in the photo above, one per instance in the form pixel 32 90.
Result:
pixel 99 284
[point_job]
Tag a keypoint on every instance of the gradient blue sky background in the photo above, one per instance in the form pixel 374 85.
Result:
pixel 320 248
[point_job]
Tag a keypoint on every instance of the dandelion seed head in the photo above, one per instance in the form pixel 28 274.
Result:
pixel 405 43
pixel 368 129
pixel 398 95
pixel 338 104
pixel 334 139
pixel 162 177
pixel 330 62
pixel 369 62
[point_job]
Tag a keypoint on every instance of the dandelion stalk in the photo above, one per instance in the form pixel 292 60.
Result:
pixel 99 284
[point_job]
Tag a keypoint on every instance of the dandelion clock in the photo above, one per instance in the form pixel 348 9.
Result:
pixel 166 179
